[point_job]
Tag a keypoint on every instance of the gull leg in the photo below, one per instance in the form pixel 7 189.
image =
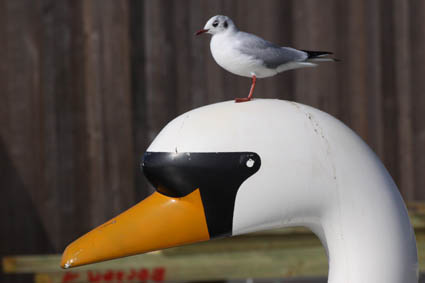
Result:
pixel 254 78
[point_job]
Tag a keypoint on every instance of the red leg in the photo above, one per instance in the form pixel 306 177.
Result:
pixel 254 78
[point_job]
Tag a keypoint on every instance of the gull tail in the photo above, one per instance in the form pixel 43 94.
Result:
pixel 319 56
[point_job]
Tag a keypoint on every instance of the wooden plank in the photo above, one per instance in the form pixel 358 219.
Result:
pixel 317 87
pixel 58 104
pixel 273 239
pixel 199 57
pixel 274 254
pixel 93 124
pixel 417 65
pixel 107 100
pixel 352 47
pixel 21 143
pixel 417 215
pixel 141 138
pixel 237 265
pixel 115 91
pixel 402 58
pixel 160 65
pixel 374 77
pixel 389 98
pixel 81 174
pixel 261 256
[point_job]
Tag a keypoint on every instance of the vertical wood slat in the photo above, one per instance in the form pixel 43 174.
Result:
pixel 160 75
pixel 138 84
pixel 374 76
pixel 316 86
pixel 20 139
pixel 43 138
pixel 93 113
pixel 108 107
pixel 21 146
pixel 198 94
pixel 58 107
pixel 403 96
pixel 184 35
pixel 417 65
pixel 117 113
pixel 81 216
pixel 353 50
pixel 312 84
pixel 389 107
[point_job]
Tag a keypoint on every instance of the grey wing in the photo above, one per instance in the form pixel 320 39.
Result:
pixel 271 54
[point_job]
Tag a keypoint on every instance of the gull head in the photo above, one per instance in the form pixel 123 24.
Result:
pixel 218 24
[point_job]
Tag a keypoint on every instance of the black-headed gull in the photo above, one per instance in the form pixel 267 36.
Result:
pixel 248 55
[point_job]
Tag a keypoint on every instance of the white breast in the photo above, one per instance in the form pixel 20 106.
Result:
pixel 225 53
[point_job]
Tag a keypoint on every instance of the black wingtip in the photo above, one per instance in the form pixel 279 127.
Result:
pixel 316 54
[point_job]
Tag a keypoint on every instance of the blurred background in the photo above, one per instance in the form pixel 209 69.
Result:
pixel 85 86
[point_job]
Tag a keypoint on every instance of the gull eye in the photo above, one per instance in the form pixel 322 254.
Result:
pixel 215 23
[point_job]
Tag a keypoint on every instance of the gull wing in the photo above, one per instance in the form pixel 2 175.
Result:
pixel 269 53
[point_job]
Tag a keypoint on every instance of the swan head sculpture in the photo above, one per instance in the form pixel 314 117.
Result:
pixel 233 168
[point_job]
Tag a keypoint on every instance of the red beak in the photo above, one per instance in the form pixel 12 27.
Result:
pixel 201 31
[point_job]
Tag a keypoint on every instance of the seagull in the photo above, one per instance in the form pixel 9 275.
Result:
pixel 248 55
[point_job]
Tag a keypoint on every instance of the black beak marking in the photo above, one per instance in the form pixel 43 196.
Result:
pixel 218 175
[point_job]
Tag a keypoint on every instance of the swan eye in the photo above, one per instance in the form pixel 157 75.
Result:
pixel 215 23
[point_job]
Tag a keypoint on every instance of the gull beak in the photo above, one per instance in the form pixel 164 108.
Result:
pixel 201 31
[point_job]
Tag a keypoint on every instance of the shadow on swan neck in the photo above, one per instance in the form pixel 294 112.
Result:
pixel 365 226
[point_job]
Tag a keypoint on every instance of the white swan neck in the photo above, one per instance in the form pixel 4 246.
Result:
pixel 364 219
pixel 370 240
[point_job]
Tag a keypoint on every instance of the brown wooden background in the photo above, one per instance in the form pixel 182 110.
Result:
pixel 86 85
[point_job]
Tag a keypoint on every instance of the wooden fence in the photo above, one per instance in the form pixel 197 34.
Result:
pixel 86 85
pixel 284 253
pixel 266 255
